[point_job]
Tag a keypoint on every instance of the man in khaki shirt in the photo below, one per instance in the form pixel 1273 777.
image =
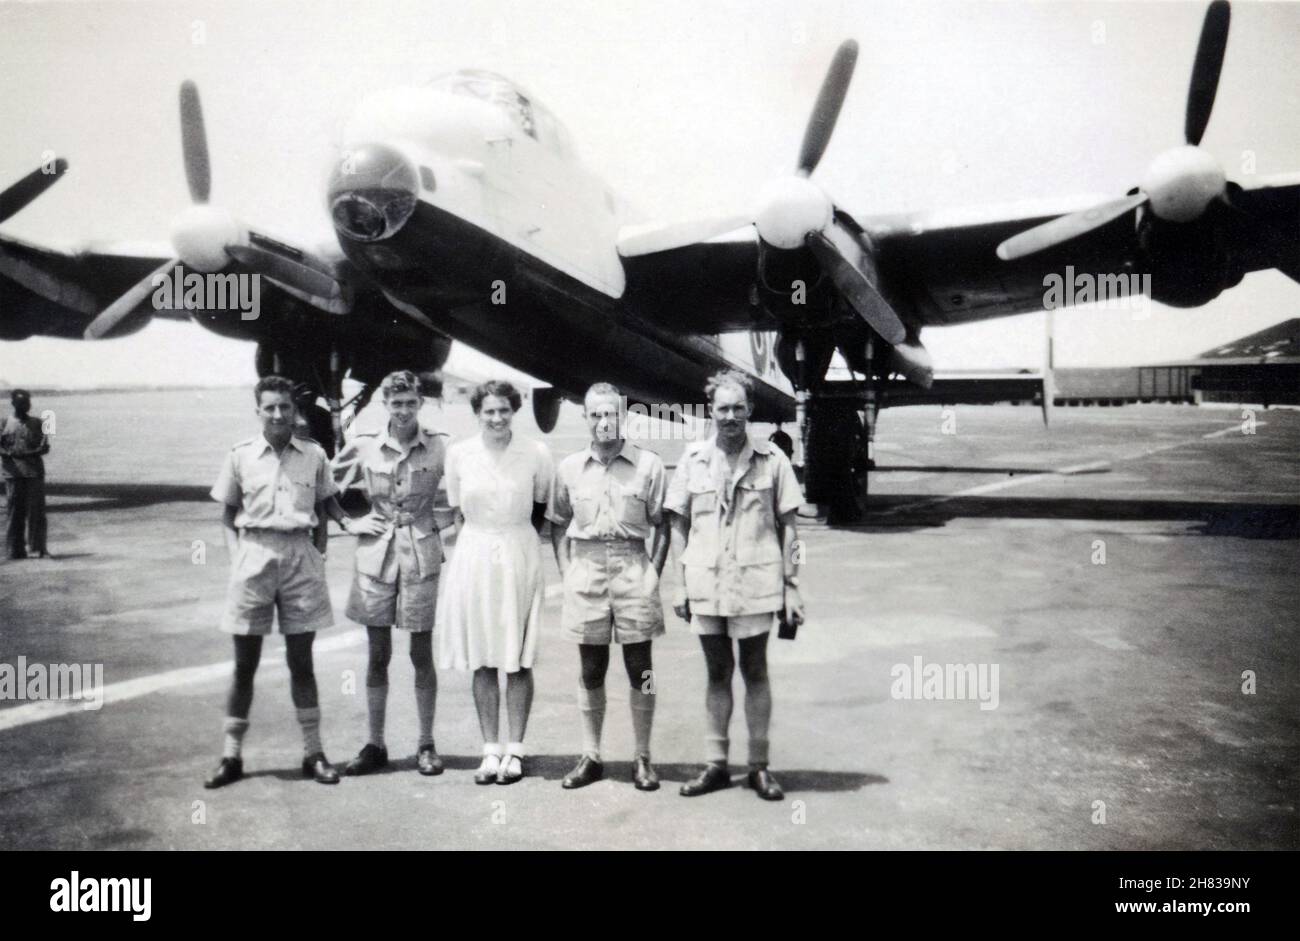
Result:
pixel 398 558
pixel 272 487
pixel 606 503
pixel 734 501
pixel 23 444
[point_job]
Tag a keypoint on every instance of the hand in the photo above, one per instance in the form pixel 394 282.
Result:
pixel 682 608
pixel 793 607
pixel 369 525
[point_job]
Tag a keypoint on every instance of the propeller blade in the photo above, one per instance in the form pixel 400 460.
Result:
pixel 860 292
pixel 194 144
pixel 821 124
pixel 287 271
pixel 660 237
pixel 1205 70
pixel 17 196
pixel 121 308
pixel 1065 228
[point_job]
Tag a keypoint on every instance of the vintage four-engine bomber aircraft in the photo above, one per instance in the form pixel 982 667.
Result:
pixel 452 197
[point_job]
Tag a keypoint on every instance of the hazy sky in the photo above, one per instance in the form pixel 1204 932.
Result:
pixel 680 106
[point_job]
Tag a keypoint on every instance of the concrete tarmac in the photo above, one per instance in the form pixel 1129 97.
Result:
pixel 1128 578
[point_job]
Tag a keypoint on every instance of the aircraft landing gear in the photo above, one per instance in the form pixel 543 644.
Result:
pixel 837 458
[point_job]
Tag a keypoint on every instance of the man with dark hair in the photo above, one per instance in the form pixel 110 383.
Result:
pixel 606 503
pixel 23 443
pixel 274 488
pixel 397 562
pixel 734 501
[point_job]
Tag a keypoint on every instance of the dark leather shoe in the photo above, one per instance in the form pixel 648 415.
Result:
pixel 761 780
pixel 228 772
pixel 712 778
pixel 317 766
pixel 427 761
pixel 371 758
pixel 587 771
pixel 643 774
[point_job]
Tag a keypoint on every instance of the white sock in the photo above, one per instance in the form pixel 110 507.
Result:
pixel 234 743
pixel 309 719
pixel 591 703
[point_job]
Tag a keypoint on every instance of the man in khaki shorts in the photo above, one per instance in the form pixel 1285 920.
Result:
pixel 606 502
pixel 733 502
pixel 399 555
pixel 273 487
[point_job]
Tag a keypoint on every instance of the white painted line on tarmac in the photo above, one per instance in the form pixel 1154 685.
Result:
pixel 170 679
pixel 1064 471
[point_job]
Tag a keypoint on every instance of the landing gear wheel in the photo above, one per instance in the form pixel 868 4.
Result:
pixel 836 471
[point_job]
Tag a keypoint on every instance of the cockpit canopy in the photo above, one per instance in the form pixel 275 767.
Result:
pixel 526 114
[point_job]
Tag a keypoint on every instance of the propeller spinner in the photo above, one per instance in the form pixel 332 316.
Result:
pixel 206 238
pixel 1180 183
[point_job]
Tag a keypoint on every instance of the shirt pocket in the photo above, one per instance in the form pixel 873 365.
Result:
pixel 756 541
pixel 584 511
pixel 380 482
pixel 424 482
pixel 632 504
pixel 303 487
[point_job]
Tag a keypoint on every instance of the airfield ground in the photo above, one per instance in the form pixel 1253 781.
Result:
pixel 1120 683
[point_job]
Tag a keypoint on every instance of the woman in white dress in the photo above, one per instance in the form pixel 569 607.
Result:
pixel 490 615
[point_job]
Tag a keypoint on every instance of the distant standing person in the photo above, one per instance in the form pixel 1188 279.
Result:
pixel 734 502
pixel 398 558
pixel 23 444
pixel 273 488
pixel 610 536
pixel 491 610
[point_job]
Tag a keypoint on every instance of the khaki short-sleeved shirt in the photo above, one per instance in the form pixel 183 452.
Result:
pixel 623 499
pixel 733 558
pixel 403 487
pixel 275 491
pixel 23 434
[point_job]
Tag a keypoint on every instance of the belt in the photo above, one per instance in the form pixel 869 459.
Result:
pixel 612 542
pixel 260 531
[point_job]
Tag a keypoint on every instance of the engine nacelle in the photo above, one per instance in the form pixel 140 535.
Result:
pixel 546 408
pixel 1190 263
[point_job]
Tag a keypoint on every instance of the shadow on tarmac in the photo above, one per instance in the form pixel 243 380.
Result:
pixel 123 496
pixel 933 469
pixel 555 767
pixel 892 513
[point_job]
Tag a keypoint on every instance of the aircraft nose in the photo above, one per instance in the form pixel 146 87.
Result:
pixel 373 190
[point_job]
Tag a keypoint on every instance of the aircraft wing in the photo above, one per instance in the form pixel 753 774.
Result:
pixel 947 271
pixel 703 288
pixel 57 291
pixel 1269 217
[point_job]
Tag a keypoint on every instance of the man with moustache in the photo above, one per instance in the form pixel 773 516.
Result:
pixel 733 501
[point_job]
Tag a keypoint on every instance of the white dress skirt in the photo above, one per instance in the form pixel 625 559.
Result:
pixel 490 611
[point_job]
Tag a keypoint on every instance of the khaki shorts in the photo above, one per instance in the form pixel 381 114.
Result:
pixel 611 594
pixel 737 627
pixel 406 603
pixel 277 572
